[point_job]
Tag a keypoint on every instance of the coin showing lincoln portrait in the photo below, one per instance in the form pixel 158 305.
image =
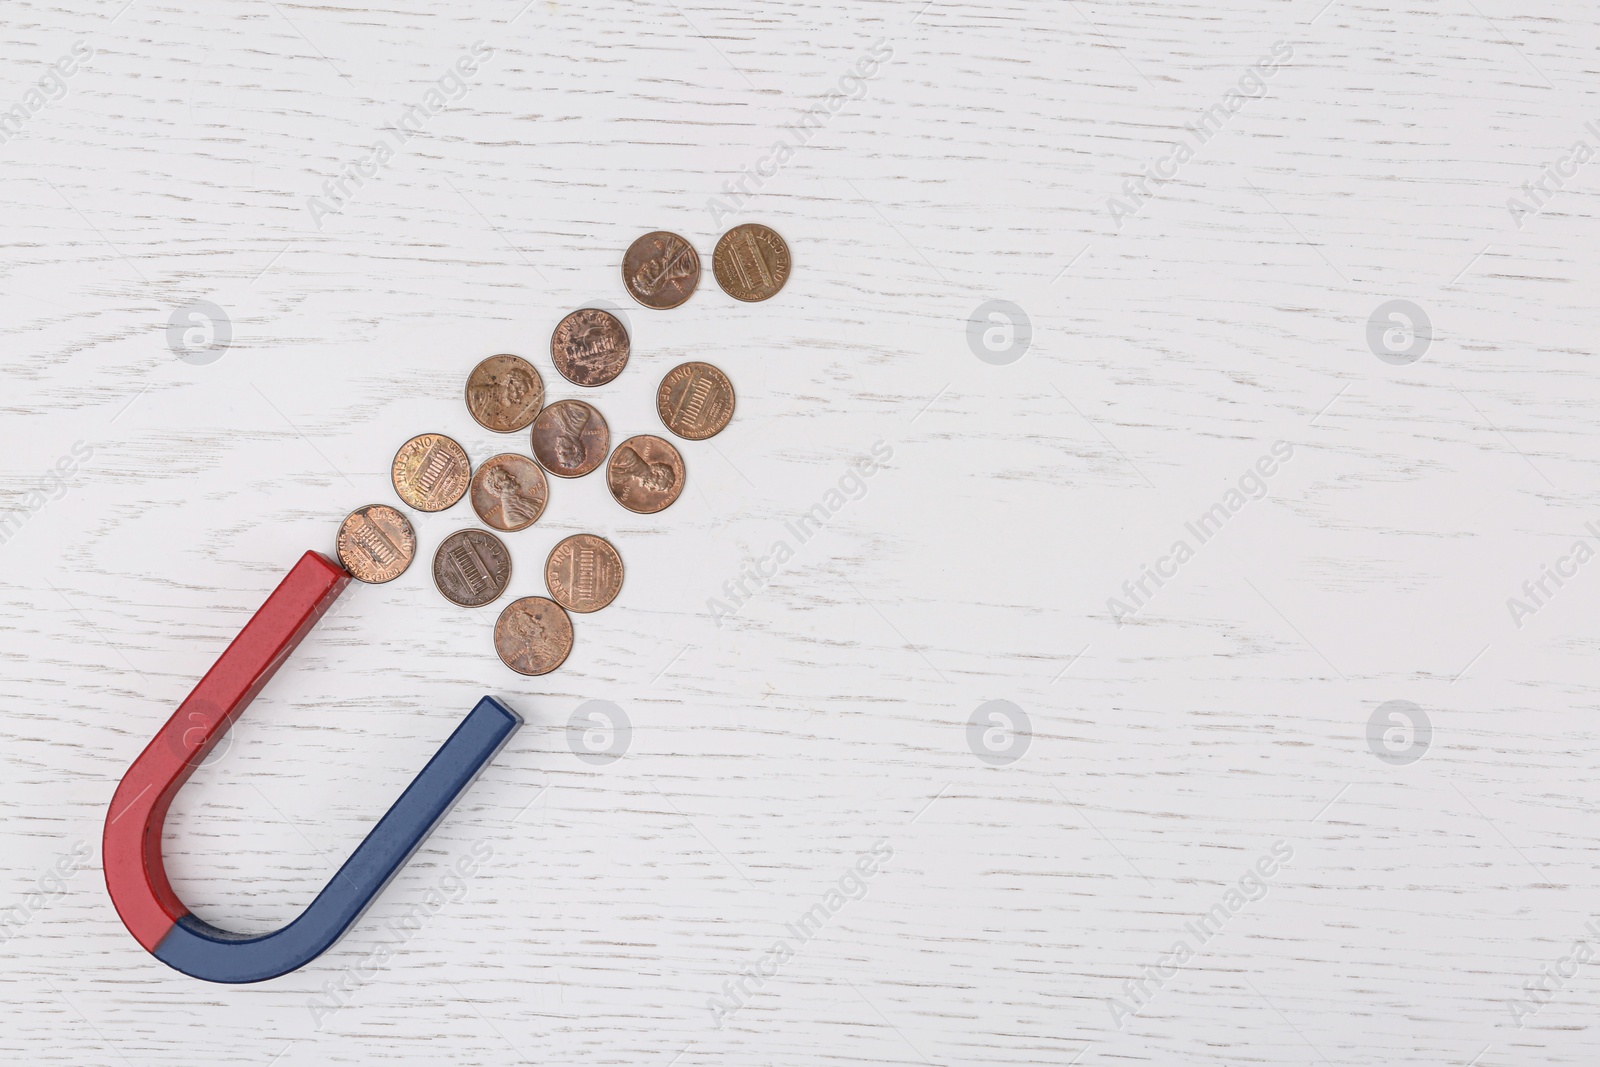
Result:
pixel 504 393
pixel 589 347
pixel 695 401
pixel 645 474
pixel 430 472
pixel 471 568
pixel 376 544
pixel 533 635
pixel 570 438
pixel 660 270
pixel 751 262
pixel 584 573
pixel 509 492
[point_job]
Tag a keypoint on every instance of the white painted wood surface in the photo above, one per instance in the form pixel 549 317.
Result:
pixel 831 713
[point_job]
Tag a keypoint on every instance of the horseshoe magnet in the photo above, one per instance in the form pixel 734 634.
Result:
pixel 134 872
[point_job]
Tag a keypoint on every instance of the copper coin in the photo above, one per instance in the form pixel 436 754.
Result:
pixel 509 492
pixel 471 568
pixel 751 262
pixel 584 573
pixel 376 544
pixel 431 472
pixel 589 347
pixel 645 474
pixel 695 401
pixel 660 270
pixel 504 393
pixel 570 438
pixel 533 635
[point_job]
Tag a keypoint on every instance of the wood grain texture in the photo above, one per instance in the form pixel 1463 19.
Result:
pixel 830 713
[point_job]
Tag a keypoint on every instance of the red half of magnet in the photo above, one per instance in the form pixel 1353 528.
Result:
pixel 132 845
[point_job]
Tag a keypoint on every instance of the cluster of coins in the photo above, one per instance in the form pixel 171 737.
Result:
pixel 567 439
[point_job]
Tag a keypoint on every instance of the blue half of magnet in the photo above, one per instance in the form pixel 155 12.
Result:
pixel 197 948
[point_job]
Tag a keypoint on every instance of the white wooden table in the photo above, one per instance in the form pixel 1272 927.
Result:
pixel 1199 765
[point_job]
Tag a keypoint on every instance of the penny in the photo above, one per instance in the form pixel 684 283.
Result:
pixel 751 262
pixel 471 568
pixel 584 573
pixel 504 393
pixel 431 472
pixel 570 438
pixel 645 474
pixel 509 492
pixel 533 635
pixel 695 401
pixel 376 544
pixel 660 270
pixel 589 347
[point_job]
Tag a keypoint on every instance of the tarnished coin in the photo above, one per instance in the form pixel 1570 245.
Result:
pixel 533 635
pixel 376 544
pixel 660 270
pixel 431 472
pixel 504 393
pixel 570 438
pixel 584 573
pixel 471 568
pixel 695 401
pixel 589 347
pixel 645 474
pixel 751 262
pixel 509 492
